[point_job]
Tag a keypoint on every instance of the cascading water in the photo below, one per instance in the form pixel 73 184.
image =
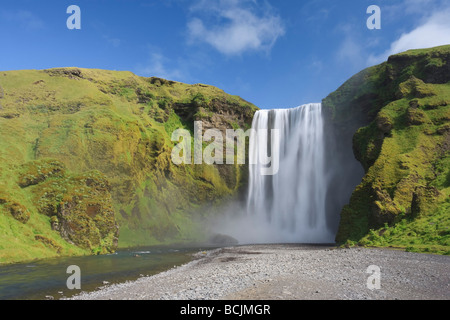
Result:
pixel 289 205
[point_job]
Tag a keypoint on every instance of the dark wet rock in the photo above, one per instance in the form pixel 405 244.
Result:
pixel 222 239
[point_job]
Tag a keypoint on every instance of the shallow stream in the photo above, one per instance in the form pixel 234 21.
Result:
pixel 46 279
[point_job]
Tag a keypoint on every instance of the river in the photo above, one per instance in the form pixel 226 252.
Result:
pixel 46 279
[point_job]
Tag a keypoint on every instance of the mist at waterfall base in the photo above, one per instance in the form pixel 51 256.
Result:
pixel 301 202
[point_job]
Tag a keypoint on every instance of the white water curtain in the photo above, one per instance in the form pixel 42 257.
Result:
pixel 288 206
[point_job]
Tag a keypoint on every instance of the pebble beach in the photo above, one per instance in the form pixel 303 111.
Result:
pixel 291 272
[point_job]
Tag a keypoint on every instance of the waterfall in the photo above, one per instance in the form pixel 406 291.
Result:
pixel 289 206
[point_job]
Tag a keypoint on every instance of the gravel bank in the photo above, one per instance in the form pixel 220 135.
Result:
pixel 290 272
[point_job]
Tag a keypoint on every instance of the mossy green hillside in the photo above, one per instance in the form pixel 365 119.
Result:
pixel 400 111
pixel 25 234
pixel 117 127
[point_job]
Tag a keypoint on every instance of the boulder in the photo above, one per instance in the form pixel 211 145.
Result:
pixel 18 211
pixel 222 240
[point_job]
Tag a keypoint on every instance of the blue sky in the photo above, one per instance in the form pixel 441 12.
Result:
pixel 276 54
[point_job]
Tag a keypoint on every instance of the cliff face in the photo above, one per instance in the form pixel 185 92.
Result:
pixel 85 161
pixel 398 115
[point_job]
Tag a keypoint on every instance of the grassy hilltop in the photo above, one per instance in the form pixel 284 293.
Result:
pixel 400 111
pixel 85 161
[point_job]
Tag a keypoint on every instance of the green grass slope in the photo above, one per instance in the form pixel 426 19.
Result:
pixel 80 144
pixel 400 111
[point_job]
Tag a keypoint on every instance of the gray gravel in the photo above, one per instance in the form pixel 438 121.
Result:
pixel 291 272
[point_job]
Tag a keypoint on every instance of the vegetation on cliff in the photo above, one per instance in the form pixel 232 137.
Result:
pixel 85 159
pixel 400 111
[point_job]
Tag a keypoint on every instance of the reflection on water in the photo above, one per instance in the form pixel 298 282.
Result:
pixel 48 277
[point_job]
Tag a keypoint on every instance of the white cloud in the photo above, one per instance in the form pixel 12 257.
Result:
pixel 160 66
pixel 394 11
pixel 435 31
pixel 22 18
pixel 350 51
pixel 115 42
pixel 233 27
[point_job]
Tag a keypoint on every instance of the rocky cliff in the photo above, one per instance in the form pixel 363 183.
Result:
pixel 396 118
pixel 85 161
